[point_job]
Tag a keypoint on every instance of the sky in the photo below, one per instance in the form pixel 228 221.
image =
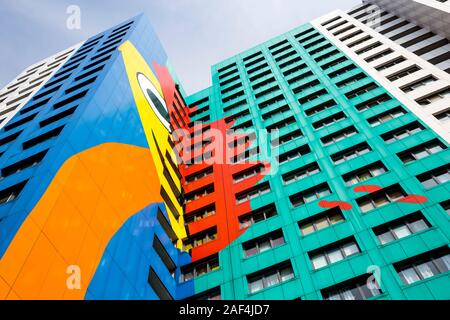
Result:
pixel 196 34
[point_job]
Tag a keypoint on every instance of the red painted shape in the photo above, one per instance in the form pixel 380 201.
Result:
pixel 227 211
pixel 413 199
pixel 333 204
pixel 367 188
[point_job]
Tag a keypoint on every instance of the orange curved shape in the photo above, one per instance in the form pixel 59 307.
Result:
pixel 335 204
pixel 367 188
pixel 90 198
pixel 413 199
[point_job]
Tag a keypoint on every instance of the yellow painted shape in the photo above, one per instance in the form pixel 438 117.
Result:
pixel 84 206
pixel 156 133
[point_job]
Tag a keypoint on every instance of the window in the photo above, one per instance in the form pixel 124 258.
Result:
pixel 312 96
pixel 360 91
pixel 314 43
pixel 11 193
pixel 42 138
pixel 351 153
pixel 373 102
pixel 352 35
pixel 333 63
pixel 233 96
pixel 260 75
pixel 310 195
pixel 418 83
pixel 301 173
pixel 163 220
pixel 271 101
pixel 320 49
pixel 379 55
pixel 327 55
pixel 402 132
pixel 264 243
pixel 434 97
pixel 198 194
pixel 258 68
pixel 390 64
pixel 320 107
pixel 329 120
pixel 200 214
pixel 200 268
pixel 256 61
pixel 246 174
pixel 334 253
pixel 400 228
pixel 345 29
pixel 80 85
pixel 199 175
pixel 23 164
pixel 231 88
pixel 256 216
pixel 446 206
pixel 422 151
pixel 364 174
pixel 10 138
pixel 243 126
pixel 337 25
pixel 253 193
pixel 386 116
pixel 246 155
pixel 403 73
pixel 353 289
pixel 306 86
pixel 300 77
pixel 229 73
pixel 285 56
pixel 359 41
pixel 351 80
pixel 267 92
pixel 294 154
pixel 294 70
pixel 270 277
pixel 331 21
pixel 275 112
pixel 321 221
pixel 209 295
pixel 223 69
pixel 71 99
pixel 235 105
pixel 310 37
pixel 263 83
pixel 200 239
pixel 57 117
pixel 164 256
pixel 369 48
pixel 435 177
pixel 339 135
pixel 226 82
pixel 304 33
pixel 443 116
pixel 424 266
pixel 341 71
pixel 158 286
pixel 380 198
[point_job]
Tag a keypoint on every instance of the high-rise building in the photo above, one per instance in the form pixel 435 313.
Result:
pixel 90 195
pixel 357 166
pixel 312 168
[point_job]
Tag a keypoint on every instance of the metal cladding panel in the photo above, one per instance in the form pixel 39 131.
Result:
pixel 92 175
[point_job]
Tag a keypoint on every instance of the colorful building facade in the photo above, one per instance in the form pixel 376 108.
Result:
pixel 117 185
pixel 90 198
